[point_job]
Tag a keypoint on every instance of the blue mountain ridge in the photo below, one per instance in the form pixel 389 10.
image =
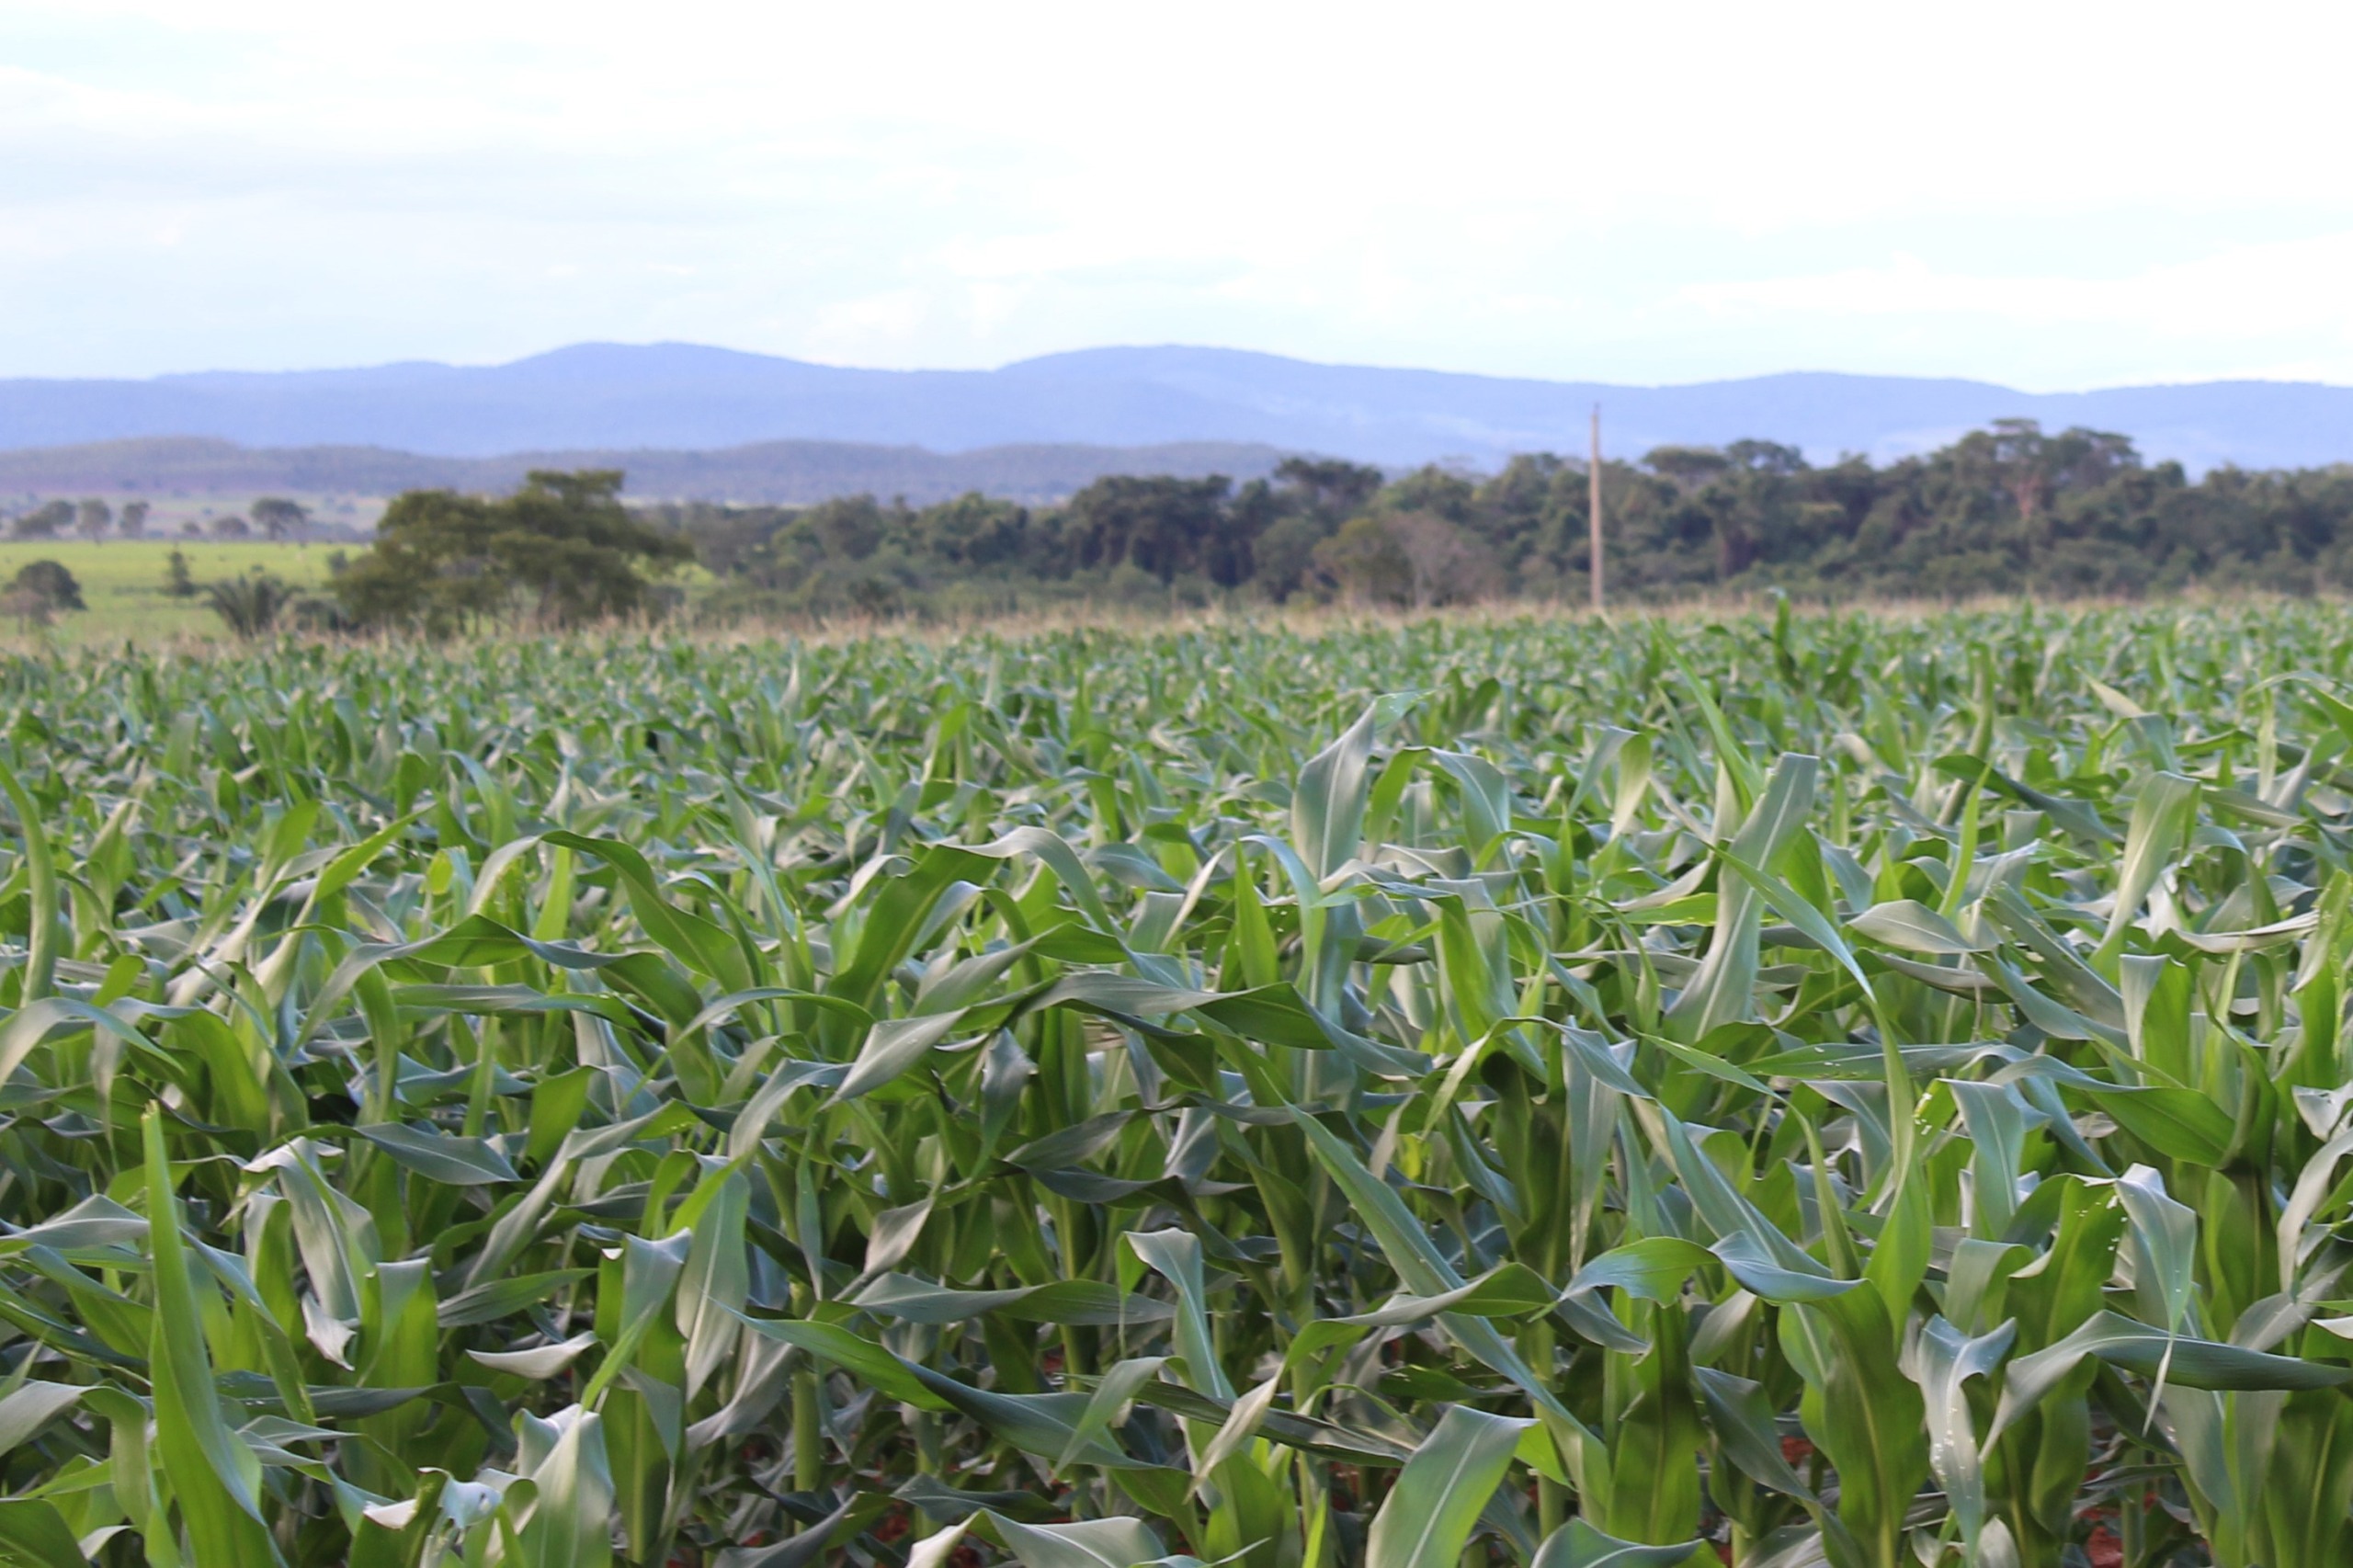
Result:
pixel 688 397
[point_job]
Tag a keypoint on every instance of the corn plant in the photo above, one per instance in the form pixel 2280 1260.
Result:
pixel 1792 1090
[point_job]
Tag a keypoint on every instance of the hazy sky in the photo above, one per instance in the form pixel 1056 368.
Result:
pixel 2055 195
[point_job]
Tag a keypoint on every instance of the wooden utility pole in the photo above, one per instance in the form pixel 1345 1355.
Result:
pixel 1593 508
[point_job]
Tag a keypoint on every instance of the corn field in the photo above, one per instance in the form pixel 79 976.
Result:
pixel 1784 1091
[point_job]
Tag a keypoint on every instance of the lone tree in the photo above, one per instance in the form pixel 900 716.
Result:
pixel 41 589
pixel 92 518
pixel 561 551
pixel 277 517
pixel 132 524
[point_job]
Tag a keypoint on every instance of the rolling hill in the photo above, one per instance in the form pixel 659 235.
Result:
pixel 684 398
pixel 788 471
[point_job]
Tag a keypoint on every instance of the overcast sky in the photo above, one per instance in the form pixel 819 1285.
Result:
pixel 2054 195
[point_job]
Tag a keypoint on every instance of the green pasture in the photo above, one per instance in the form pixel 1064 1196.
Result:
pixel 122 581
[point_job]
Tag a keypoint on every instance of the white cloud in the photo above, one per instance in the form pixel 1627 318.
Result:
pixel 2250 293
pixel 1640 192
pixel 849 330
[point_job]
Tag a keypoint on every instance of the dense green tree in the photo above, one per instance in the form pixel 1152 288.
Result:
pixel 1328 488
pixel 559 550
pixel 974 532
pixel 1160 524
pixel 1284 554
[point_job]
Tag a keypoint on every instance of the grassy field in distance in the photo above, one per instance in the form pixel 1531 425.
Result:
pixel 122 581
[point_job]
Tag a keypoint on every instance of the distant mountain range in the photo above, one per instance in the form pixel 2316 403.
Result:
pixel 785 472
pixel 611 398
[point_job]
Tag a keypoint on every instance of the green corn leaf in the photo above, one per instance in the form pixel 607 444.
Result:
pixel 1083 1543
pixel 650 1273
pixel 1861 1410
pixel 214 1474
pixel 503 1298
pixel 892 1046
pixel 44 931
pixel 1507 1290
pixel 565 1459
pixel 1740 1418
pixel 1435 1502
pixel 1242 1425
pixel 1914 927
pixel 2137 1347
pixel 1940 1359
pixel 1119 1386
pixel 694 941
pixel 868 1362
pixel 1578 1545
pixel 30 1405
pixel 34 1535
pixel 1328 804
pixel 2162 812
pixel 1075 1302
pixel 439 1156
pixel 539 1363
pixel 716 1282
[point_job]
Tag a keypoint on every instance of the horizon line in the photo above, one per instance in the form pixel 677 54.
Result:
pixel 461 366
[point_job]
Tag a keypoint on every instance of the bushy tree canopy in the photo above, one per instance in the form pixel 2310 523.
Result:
pixel 561 551
pixel 50 583
pixel 277 516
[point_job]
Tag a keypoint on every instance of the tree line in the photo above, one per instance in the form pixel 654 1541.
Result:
pixel 95 520
pixel 2000 511
pixel 2003 510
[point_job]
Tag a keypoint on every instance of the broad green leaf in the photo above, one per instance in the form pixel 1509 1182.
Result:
pixel 1860 1411
pixel 1939 1359
pixel 539 1363
pixel 1436 1502
pixel 2137 1347
pixel 1083 1543
pixel 1578 1545
pixel 1913 927
pixel 2162 812
pixel 1741 1420
pixel 34 1535
pixel 212 1473
pixel 439 1156
pixel 565 1458
pixel 1086 1302
pixel 30 1405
